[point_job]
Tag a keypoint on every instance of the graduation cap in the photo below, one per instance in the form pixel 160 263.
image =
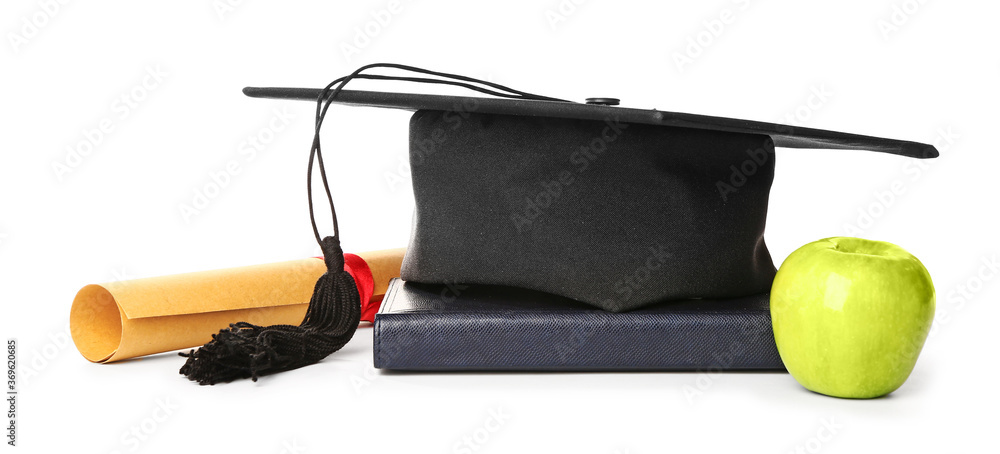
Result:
pixel 615 207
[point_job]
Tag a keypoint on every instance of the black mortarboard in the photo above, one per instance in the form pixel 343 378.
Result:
pixel 615 207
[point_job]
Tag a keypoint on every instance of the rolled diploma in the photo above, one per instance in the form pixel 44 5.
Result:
pixel 119 320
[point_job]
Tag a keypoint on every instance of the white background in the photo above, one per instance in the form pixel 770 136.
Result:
pixel 931 77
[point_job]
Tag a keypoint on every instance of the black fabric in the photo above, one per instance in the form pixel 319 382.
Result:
pixel 448 327
pixel 546 194
pixel 612 214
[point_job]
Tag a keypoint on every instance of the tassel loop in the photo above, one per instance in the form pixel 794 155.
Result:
pixel 333 255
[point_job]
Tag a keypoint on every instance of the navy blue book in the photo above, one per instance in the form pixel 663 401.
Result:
pixel 479 327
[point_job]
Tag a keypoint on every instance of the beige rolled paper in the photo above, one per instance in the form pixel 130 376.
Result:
pixel 120 320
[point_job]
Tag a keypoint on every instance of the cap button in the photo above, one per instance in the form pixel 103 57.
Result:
pixel 603 101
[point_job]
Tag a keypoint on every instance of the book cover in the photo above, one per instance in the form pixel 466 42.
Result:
pixel 474 327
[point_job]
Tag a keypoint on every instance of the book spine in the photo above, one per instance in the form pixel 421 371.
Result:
pixel 590 340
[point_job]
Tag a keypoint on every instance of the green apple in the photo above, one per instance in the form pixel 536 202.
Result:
pixel 850 316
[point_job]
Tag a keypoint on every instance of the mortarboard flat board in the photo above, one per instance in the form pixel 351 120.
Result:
pixel 783 135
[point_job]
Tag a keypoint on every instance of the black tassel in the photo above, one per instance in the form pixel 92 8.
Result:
pixel 250 351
